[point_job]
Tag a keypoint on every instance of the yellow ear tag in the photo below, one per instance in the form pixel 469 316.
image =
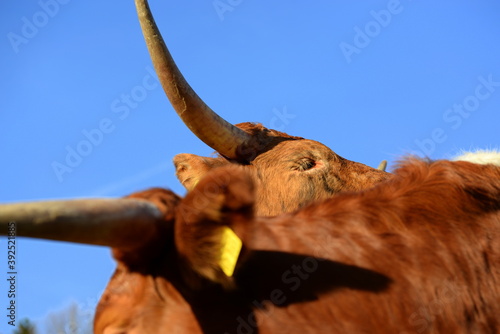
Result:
pixel 230 250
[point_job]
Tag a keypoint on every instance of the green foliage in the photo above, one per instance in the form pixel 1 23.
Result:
pixel 25 327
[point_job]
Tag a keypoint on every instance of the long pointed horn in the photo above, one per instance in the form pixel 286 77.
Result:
pixel 201 120
pixel 121 223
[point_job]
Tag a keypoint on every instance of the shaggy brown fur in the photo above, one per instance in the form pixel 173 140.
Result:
pixel 417 254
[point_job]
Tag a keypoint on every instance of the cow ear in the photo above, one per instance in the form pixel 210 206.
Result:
pixel 210 225
pixel 165 200
pixel 190 168
pixel 153 236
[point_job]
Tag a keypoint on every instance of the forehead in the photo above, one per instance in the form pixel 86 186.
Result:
pixel 301 148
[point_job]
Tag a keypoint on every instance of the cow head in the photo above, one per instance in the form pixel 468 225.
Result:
pixel 159 283
pixel 289 171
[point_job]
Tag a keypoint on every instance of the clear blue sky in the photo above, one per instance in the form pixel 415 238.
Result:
pixel 371 80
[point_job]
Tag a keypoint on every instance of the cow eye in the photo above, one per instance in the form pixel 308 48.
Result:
pixel 304 164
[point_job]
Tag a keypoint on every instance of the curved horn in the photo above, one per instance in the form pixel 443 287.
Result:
pixel 213 130
pixel 121 223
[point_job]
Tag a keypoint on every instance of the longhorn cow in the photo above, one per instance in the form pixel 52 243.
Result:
pixel 417 252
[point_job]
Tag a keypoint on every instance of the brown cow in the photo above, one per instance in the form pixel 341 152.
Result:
pixel 290 171
pixel 419 253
